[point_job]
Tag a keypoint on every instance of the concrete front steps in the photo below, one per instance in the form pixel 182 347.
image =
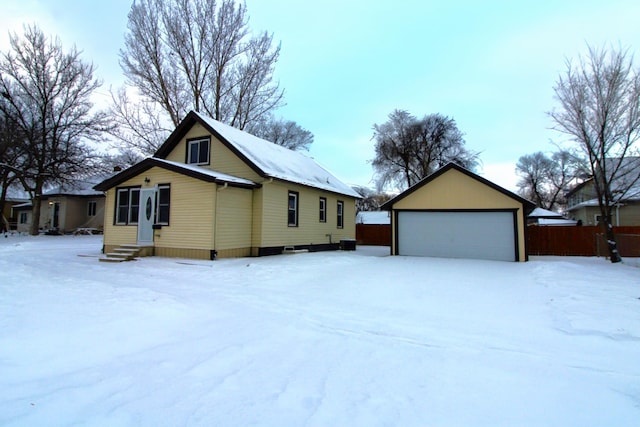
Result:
pixel 122 253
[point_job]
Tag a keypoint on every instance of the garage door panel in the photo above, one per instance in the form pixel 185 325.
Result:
pixel 452 234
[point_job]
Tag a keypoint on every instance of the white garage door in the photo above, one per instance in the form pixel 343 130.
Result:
pixel 453 234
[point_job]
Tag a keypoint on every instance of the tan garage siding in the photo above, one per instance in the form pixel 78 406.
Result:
pixel 222 159
pixel 310 231
pixel 455 189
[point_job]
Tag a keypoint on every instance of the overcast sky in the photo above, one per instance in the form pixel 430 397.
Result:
pixel 345 65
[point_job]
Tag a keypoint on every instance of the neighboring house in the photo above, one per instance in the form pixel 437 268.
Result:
pixel 583 202
pixel 454 213
pixel 212 190
pixel 72 206
pixel 546 217
pixel 66 208
pixel 9 219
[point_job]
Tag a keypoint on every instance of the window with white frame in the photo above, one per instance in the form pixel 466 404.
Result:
pixel 24 217
pixel 163 199
pixel 127 205
pixel 198 151
pixel 323 209
pixel 340 211
pixel 292 209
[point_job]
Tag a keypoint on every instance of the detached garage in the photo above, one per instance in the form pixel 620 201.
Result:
pixel 455 213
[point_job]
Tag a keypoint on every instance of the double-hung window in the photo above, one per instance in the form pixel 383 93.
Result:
pixel 292 209
pixel 198 151
pixel 323 209
pixel 127 205
pixel 91 208
pixel 162 204
pixel 340 210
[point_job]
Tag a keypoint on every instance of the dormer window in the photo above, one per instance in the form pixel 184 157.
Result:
pixel 198 151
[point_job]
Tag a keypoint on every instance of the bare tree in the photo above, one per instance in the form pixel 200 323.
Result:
pixel 409 149
pixel 600 111
pixel 545 179
pixel 198 55
pixel 283 132
pixel 371 200
pixel 46 95
pixel 12 154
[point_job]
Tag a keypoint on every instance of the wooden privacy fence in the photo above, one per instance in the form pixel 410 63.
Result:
pixel 580 241
pixel 373 234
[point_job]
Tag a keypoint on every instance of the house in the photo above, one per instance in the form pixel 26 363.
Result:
pixel 454 213
pixel 212 190
pixel 546 217
pixel 66 208
pixel 583 204
pixel 9 218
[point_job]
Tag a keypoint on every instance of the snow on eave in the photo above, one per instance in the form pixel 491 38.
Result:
pixel 194 171
pixel 209 172
pixel 277 162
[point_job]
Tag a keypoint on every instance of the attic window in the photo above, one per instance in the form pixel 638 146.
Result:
pixel 198 151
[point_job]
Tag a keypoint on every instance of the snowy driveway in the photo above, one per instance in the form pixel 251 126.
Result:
pixel 319 339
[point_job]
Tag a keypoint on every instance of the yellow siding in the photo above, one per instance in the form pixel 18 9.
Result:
pixel 222 159
pixel 190 216
pixel 456 190
pixel 115 235
pixel 276 232
pixel 628 214
pixel 233 218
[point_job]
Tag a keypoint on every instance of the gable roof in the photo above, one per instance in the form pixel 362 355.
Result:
pixel 627 178
pixel 196 172
pixel 267 159
pixel 449 166
pixel 544 213
pixel 77 187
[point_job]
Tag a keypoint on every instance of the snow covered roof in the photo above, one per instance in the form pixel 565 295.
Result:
pixel 16 194
pixel 77 187
pixel 559 221
pixel 193 171
pixel 269 160
pixel 204 171
pixel 377 217
pixel 544 213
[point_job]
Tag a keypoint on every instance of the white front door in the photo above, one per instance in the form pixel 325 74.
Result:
pixel 146 216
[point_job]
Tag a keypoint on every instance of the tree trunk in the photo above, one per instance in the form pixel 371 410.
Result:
pixel 35 216
pixel 614 255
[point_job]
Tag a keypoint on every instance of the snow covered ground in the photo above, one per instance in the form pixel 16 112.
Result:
pixel 317 339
